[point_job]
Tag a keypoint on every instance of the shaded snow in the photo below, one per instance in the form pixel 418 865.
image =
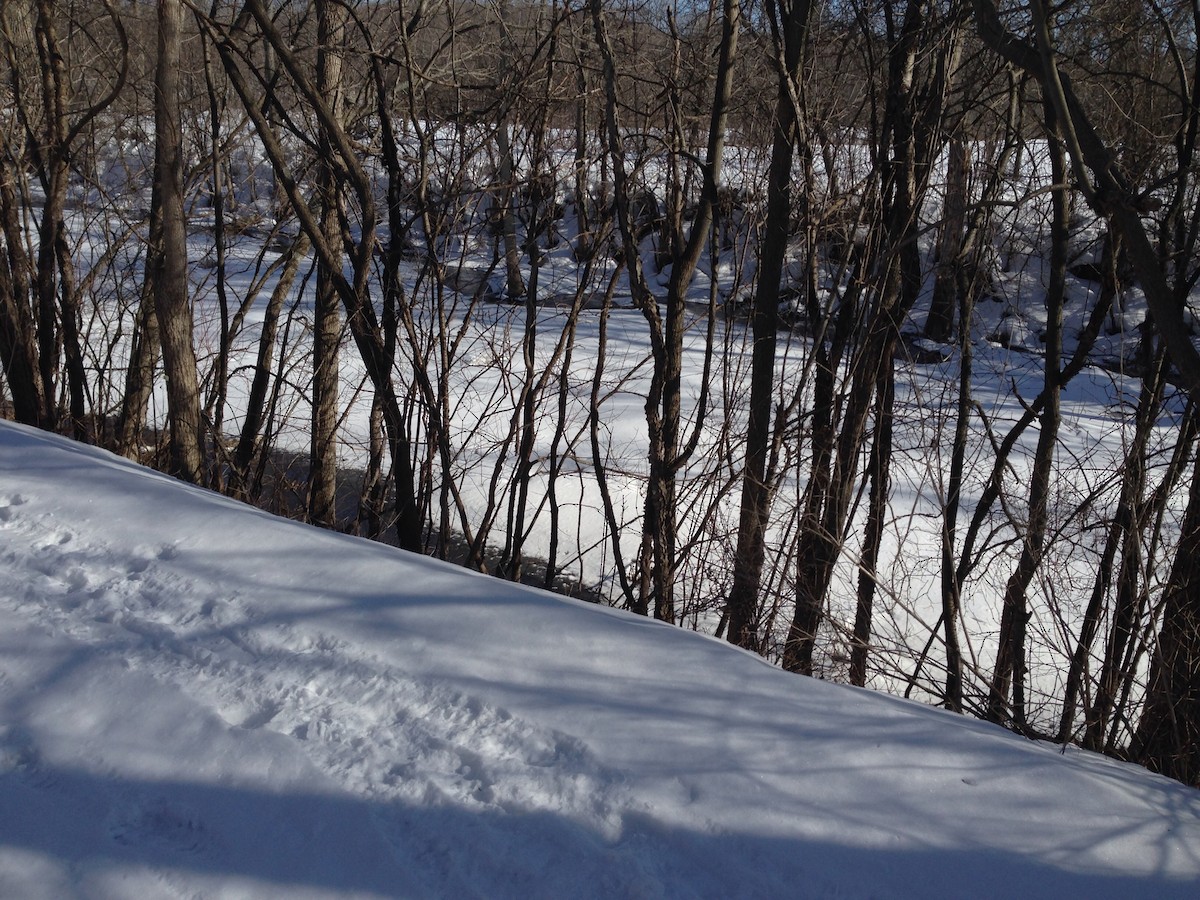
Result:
pixel 198 700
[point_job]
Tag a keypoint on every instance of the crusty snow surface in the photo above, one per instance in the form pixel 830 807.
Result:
pixel 200 700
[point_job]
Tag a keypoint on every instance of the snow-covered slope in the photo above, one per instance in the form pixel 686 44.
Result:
pixel 198 700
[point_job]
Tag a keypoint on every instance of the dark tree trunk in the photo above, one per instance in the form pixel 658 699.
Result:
pixel 879 470
pixel 743 608
pixel 374 347
pixel 940 324
pixel 1006 700
pixel 1129 599
pixel 143 359
pixel 912 120
pixel 256 402
pixel 18 334
pixel 53 163
pixel 1168 735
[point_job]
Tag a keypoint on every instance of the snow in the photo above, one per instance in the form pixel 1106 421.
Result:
pixel 200 700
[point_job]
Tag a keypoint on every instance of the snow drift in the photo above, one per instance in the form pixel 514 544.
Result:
pixel 197 699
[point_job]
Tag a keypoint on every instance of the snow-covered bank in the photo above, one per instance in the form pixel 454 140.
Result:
pixel 197 699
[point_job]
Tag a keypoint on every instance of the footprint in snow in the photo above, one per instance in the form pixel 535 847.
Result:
pixel 8 507
pixel 18 755
pixel 77 579
pixel 159 824
pixel 53 540
pixel 262 716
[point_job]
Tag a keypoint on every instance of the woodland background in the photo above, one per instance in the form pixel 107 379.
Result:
pixel 859 333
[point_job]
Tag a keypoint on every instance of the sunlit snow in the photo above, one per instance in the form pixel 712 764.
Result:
pixel 199 700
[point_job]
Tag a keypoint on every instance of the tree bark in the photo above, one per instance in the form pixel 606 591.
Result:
pixel 256 402
pixel 940 324
pixel 18 333
pixel 879 470
pixel 891 283
pixel 327 325
pixel 169 271
pixel 143 359
pixel 1168 734
pixel 743 605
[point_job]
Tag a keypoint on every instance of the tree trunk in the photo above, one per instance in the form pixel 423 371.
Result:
pixel 53 162
pixel 168 268
pixel 18 334
pixel 327 326
pixel 879 470
pixel 940 324
pixel 743 606
pixel 506 176
pixel 256 402
pixel 1009 672
pixel 913 118
pixel 143 359
pixel 1168 735
pixel 668 453
pixel 1130 599
pixel 375 349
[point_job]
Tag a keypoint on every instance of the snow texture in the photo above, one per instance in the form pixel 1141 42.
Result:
pixel 199 700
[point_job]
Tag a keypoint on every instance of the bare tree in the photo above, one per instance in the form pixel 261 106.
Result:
pixel 669 450
pixel 1009 671
pixel 168 266
pixel 790 26
pixel 327 328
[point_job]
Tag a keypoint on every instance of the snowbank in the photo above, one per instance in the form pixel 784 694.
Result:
pixel 197 699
